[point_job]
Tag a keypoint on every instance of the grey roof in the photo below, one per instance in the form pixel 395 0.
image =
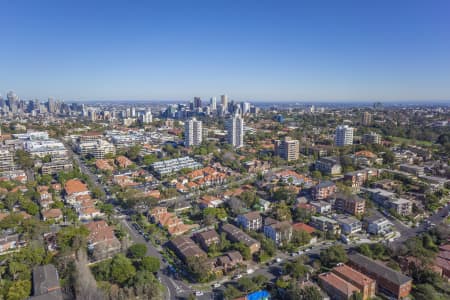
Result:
pixel 325 184
pixel 45 279
pixel 54 295
pixel 379 269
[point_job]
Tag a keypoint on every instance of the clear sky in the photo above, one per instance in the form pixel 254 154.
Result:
pixel 258 50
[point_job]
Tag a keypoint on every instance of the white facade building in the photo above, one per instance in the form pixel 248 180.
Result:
pixel 235 131
pixel 193 133
pixel 344 136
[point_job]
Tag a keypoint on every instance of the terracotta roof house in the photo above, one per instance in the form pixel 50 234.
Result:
pixel 74 188
pixel 302 226
pixel 104 164
pixel 52 214
pixel 123 161
pixel 102 243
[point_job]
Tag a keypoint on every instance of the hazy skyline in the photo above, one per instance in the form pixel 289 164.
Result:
pixel 262 50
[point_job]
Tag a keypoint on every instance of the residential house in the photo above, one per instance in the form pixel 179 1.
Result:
pixel 210 201
pixel 123 162
pixel 74 188
pixel 9 242
pixel 229 260
pixel 54 214
pixel 102 243
pixel 321 207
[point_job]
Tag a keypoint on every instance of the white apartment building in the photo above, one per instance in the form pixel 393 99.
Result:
pixel 235 131
pixel 193 133
pixel 97 149
pixel 42 148
pixel 6 160
pixel 344 136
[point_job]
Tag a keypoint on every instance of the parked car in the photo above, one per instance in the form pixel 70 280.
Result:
pixel 198 293
pixel 216 285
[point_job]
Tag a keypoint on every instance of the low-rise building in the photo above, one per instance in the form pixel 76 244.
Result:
pixel 74 188
pixel 365 284
pixel 6 160
pixel 167 167
pixel 349 225
pixel 358 178
pixel 279 232
pixel 251 221
pixel 54 214
pixel 324 190
pixel 207 238
pixel 185 247
pixel 102 243
pixel 321 207
pixel 236 235
pixel 325 224
pixel 377 224
pixel 328 165
pixel 412 169
pixel 389 282
pixel 336 287
pixel 55 167
pixel 350 204
pixel 96 148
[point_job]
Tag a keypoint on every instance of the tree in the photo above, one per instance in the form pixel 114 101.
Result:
pixel 300 238
pixel 295 292
pixel 426 291
pixel 137 251
pixel 296 269
pixel 19 290
pixel 133 152
pixel 247 285
pixel 365 250
pixel 122 269
pixel 150 264
pixel 333 255
pixel 198 267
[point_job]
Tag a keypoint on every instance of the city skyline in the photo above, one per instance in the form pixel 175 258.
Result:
pixel 258 51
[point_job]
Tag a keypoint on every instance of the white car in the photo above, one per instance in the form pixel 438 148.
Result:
pixel 216 285
pixel 250 271
pixel 278 260
pixel 238 276
pixel 198 293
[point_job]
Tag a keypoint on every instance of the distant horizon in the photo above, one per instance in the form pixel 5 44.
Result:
pixel 314 50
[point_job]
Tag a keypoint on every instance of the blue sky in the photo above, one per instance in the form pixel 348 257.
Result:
pixel 258 50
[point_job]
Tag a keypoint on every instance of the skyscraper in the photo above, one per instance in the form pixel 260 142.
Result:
pixel 344 136
pixel 224 102
pixel 213 103
pixel 235 129
pixel 245 106
pixel 197 102
pixel 287 149
pixel 193 133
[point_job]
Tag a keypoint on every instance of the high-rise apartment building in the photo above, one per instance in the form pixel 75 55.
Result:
pixel 366 118
pixel 193 133
pixel 235 129
pixel 344 136
pixel 197 102
pixel 287 148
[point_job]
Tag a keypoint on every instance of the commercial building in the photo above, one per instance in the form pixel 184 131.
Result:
pixel 287 148
pixel 344 136
pixel 389 282
pixel 235 131
pixel 193 133
pixel 42 148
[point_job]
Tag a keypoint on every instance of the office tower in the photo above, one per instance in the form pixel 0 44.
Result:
pixel 213 103
pixel 133 112
pixel 197 102
pixel 51 105
pixel 287 149
pixel 371 138
pixel 245 107
pixel 224 102
pixel 192 133
pixel 366 118
pixel 12 101
pixel 344 136
pixel 235 129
